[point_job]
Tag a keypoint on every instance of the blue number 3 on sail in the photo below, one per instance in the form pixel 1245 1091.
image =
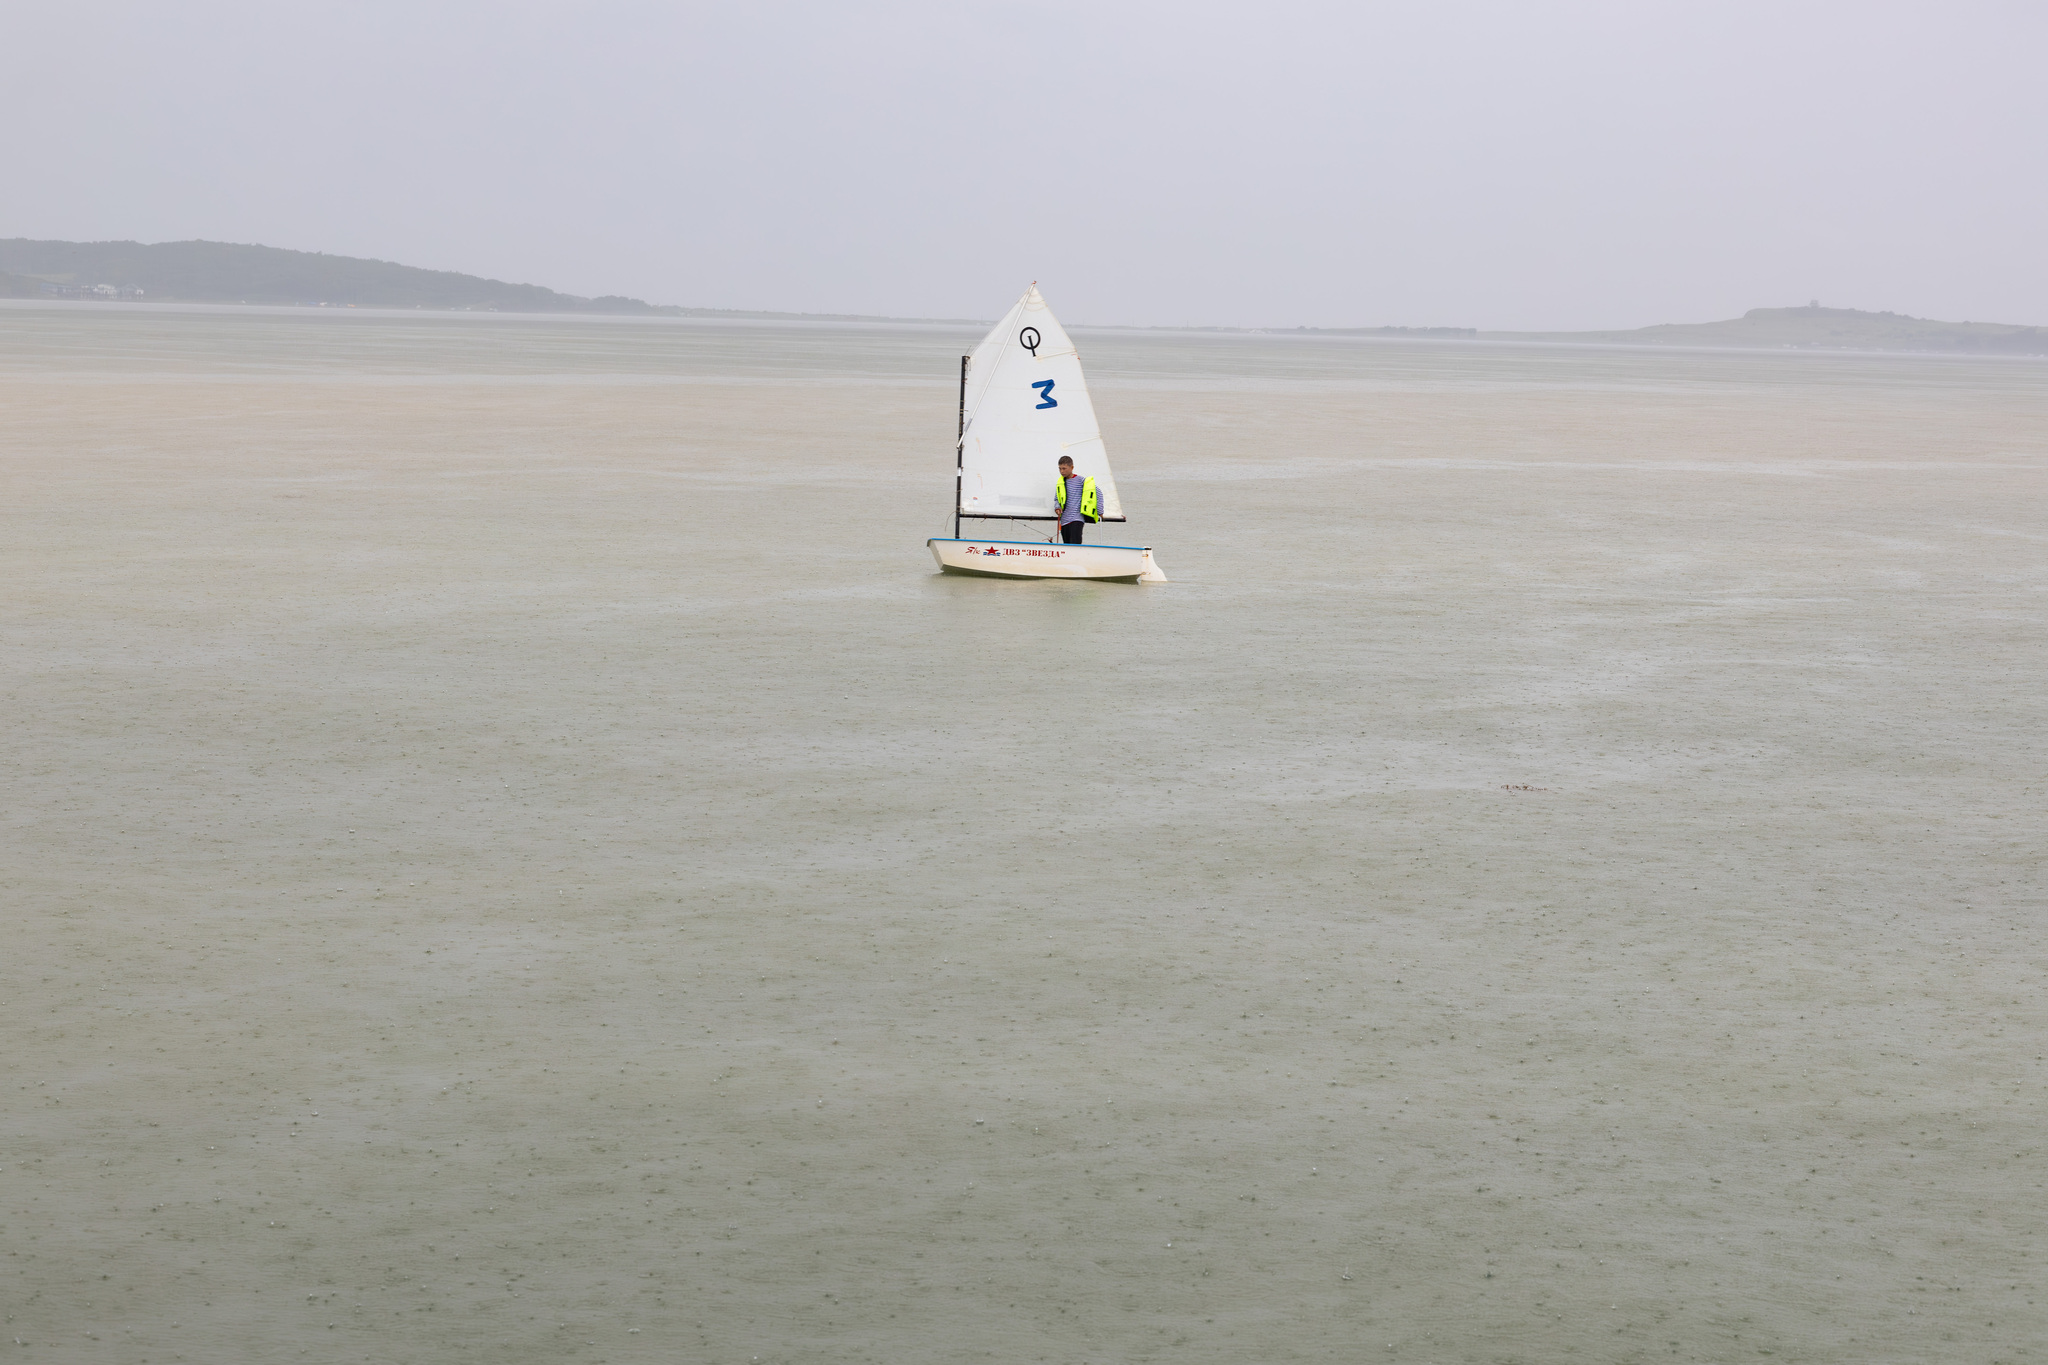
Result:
pixel 1044 387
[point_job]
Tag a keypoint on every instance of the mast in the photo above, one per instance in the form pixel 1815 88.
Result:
pixel 960 448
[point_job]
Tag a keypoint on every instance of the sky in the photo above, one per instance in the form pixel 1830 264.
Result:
pixel 1525 165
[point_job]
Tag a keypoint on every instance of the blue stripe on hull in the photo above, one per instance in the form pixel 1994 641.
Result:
pixel 983 540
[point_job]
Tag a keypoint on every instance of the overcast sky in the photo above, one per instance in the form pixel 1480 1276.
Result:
pixel 1500 165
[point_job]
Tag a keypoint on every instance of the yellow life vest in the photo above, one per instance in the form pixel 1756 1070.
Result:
pixel 1091 502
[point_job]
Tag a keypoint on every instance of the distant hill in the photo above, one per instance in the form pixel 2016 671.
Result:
pixel 1817 328
pixel 227 272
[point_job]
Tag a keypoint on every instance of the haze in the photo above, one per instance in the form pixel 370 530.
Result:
pixel 1493 165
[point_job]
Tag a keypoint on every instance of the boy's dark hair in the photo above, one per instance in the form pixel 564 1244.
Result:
pixel 1067 460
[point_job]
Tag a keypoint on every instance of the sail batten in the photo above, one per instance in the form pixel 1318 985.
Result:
pixel 1027 405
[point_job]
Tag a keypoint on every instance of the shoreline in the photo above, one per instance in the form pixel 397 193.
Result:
pixel 830 320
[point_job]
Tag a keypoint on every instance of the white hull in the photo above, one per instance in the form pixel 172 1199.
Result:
pixel 1036 559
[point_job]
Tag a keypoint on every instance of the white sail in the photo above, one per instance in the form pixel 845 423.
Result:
pixel 1027 405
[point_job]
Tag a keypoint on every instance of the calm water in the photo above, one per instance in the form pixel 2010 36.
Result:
pixel 513 854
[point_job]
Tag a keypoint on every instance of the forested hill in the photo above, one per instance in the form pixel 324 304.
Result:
pixel 225 272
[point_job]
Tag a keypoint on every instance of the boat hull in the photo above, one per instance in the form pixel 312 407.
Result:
pixel 1036 559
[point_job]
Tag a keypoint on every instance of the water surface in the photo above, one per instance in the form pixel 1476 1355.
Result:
pixel 514 855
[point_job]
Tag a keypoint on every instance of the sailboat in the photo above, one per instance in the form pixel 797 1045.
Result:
pixel 1024 404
